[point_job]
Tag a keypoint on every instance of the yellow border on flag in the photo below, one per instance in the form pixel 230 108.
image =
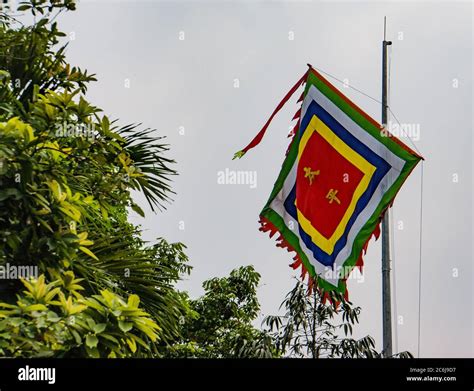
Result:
pixel 316 125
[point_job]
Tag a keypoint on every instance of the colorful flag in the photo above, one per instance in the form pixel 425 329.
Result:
pixel 341 172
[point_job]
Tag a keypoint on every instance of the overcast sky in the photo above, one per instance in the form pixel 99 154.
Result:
pixel 208 74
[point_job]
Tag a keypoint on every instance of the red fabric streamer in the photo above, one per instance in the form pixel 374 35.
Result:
pixel 260 134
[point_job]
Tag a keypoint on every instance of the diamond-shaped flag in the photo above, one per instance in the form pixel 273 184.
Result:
pixel 341 173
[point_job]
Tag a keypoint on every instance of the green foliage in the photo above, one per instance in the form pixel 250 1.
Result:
pixel 221 326
pixel 148 159
pixel 307 329
pixel 55 320
pixel 30 60
pixel 66 177
pixel 319 324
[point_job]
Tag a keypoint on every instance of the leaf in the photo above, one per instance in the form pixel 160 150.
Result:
pixel 76 336
pixel 16 321
pixel 24 7
pixel 55 188
pixel 90 322
pixel 51 294
pixel 77 308
pixel 104 212
pixel 125 326
pixel 93 352
pixel 110 338
pixel 140 341
pixel 46 225
pixel 70 211
pixel 132 345
pixel 4 75
pixel 42 211
pixel 88 252
pixel 99 328
pixel 105 123
pixel 138 210
pixel 5 305
pixel 133 301
pixel 91 341
pixel 53 317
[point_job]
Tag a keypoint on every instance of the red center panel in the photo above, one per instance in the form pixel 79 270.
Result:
pixel 335 172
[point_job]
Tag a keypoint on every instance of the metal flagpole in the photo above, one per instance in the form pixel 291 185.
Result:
pixel 386 293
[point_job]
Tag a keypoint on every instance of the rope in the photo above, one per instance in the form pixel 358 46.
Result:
pixel 348 85
pixel 420 267
pixel 406 134
pixel 374 99
pixel 421 233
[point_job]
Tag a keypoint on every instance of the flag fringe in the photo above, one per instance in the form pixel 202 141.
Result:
pixel 267 226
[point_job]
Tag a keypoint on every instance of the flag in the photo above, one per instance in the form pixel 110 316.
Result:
pixel 341 172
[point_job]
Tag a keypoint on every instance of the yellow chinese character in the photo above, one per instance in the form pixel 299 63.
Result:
pixel 310 174
pixel 331 196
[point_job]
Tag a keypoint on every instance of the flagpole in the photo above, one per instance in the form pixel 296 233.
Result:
pixel 386 292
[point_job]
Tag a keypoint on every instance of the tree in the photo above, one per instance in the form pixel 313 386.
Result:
pixel 307 329
pixel 221 326
pixel 318 324
pixel 66 176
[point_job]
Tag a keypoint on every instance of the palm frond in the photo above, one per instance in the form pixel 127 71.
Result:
pixel 149 272
pixel 147 152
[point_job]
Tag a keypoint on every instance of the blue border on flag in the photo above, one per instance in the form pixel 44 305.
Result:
pixel 381 165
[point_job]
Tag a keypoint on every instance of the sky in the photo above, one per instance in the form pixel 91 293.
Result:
pixel 207 75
